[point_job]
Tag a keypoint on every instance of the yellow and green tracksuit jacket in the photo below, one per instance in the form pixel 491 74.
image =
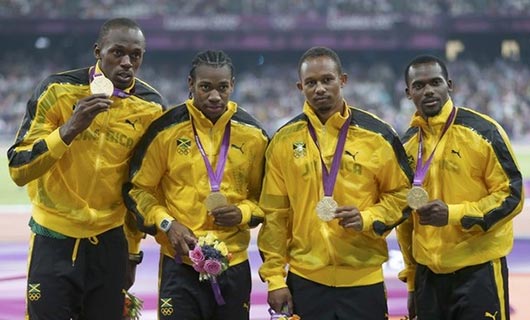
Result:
pixel 475 173
pixel 75 189
pixel 374 176
pixel 168 177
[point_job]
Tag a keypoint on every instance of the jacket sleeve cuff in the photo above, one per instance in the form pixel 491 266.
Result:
pixel 276 282
pixel 456 213
pixel 246 213
pixel 368 220
pixel 408 275
pixel 56 144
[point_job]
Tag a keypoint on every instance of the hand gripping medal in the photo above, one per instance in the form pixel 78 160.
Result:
pixel 326 207
pixel 417 196
pixel 215 199
pixel 101 84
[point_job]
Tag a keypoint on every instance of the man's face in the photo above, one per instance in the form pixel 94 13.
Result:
pixel 121 53
pixel 211 88
pixel 321 83
pixel 428 88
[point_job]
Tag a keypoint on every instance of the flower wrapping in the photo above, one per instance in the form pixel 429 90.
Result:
pixel 283 315
pixel 210 258
pixel 132 307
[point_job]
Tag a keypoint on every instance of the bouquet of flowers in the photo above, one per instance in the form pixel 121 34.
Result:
pixel 210 257
pixel 132 307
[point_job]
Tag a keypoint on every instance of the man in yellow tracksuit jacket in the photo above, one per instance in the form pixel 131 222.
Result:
pixel 456 242
pixel 170 182
pixel 334 259
pixel 72 152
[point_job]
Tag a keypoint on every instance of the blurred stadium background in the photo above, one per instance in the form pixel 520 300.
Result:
pixel 486 44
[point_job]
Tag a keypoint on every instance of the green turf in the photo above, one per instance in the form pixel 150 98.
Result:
pixel 10 193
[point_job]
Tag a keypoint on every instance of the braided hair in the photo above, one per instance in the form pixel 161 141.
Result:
pixel 212 58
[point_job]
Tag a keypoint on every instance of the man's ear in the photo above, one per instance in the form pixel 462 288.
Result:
pixel 299 85
pixel 450 85
pixel 97 51
pixel 407 93
pixel 190 83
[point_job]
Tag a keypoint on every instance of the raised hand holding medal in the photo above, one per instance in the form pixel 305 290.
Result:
pixel 215 199
pixel 417 196
pixel 326 207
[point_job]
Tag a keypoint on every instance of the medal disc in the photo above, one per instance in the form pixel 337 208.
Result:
pixel 417 197
pixel 101 84
pixel 215 200
pixel 326 208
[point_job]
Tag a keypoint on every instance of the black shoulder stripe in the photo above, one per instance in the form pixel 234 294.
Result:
pixel 367 121
pixel 146 92
pixel 173 116
pixel 489 132
pixel 411 132
pixel 243 116
pixel 299 118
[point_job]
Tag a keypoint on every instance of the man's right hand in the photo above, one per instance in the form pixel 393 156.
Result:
pixel 181 238
pixel 279 298
pixel 85 110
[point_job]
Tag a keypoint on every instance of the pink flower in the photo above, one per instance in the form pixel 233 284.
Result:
pixel 199 266
pixel 196 255
pixel 212 267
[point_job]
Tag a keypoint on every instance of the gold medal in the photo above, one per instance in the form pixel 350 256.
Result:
pixel 417 197
pixel 215 200
pixel 101 84
pixel 326 208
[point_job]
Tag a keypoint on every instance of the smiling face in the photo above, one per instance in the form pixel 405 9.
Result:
pixel 211 87
pixel 428 88
pixel 321 83
pixel 121 53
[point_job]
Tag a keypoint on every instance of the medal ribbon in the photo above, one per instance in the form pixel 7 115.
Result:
pixel 117 92
pixel 330 177
pixel 421 169
pixel 216 177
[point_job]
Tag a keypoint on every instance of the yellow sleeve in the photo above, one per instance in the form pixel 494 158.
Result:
pixel 273 235
pixel 394 179
pixel 38 144
pixel 141 196
pixel 250 208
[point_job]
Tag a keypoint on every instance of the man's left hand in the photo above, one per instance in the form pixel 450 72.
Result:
pixel 227 216
pixel 434 213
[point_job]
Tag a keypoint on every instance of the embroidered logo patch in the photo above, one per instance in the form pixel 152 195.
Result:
pixel 34 291
pixel 166 308
pixel 299 149
pixel 183 146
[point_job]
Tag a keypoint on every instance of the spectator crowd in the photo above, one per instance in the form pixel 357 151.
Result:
pixel 95 9
pixel 500 89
